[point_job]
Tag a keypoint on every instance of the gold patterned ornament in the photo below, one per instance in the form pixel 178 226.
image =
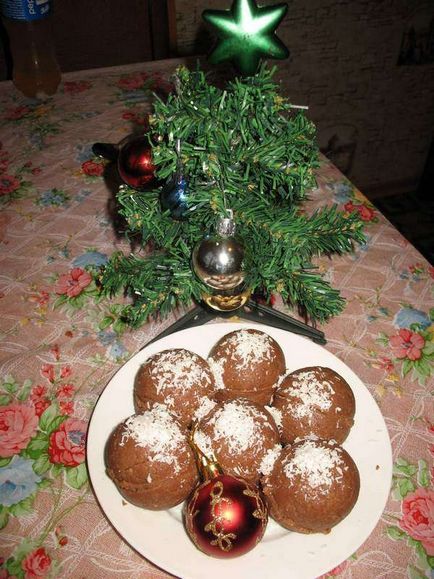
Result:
pixel 225 516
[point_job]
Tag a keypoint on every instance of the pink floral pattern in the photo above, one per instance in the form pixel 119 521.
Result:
pixel 16 113
pixel 418 518
pixel 73 283
pixel 36 564
pixel 8 184
pixel 366 212
pixel 61 341
pixel 407 344
pixel 336 571
pixel 92 168
pixel 18 424
pixel 67 443
pixel 76 86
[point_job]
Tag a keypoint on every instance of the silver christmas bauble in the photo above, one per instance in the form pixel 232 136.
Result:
pixel 218 260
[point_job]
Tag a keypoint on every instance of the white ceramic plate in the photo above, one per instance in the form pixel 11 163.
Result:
pixel 160 536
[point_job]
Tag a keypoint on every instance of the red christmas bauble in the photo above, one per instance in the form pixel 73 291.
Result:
pixel 135 165
pixel 225 516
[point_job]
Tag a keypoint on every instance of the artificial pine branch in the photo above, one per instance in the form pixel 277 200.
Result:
pixel 249 149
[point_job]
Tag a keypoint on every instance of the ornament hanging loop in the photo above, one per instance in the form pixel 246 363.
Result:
pixel 175 194
pixel 226 226
pixel 208 467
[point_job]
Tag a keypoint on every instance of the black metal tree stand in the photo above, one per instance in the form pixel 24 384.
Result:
pixel 252 311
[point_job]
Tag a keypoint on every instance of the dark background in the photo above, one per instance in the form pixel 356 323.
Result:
pixel 99 33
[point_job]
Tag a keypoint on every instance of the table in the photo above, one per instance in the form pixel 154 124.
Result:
pixel 58 353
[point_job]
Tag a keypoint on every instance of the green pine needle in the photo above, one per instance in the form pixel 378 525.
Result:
pixel 244 148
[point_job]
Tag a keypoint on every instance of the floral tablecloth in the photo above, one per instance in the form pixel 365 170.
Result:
pixel 60 343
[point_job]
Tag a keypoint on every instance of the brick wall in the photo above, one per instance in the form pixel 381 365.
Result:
pixel 375 119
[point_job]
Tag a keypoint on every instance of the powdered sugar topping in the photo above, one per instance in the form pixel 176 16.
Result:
pixel 203 442
pixel 269 459
pixel 319 464
pixel 250 347
pixel 205 406
pixel 157 431
pixel 312 392
pixel 217 370
pixel 178 370
pixel 240 425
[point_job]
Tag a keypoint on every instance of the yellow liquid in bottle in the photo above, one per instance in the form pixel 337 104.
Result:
pixel 35 70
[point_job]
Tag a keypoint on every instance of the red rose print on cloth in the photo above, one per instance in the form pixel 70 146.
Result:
pixel 335 571
pixel 36 564
pixel 65 391
pixel 138 118
pixel 38 392
pixel 55 350
pixel 17 113
pixel 385 363
pixel 73 283
pixel 365 213
pixel 8 184
pixel 133 81
pixel 76 86
pixel 66 407
pixel 418 518
pixel 40 298
pixel 407 344
pixel 18 423
pixel 65 372
pixel 42 405
pixel 47 371
pixel 67 443
pixel 39 398
pixel 92 168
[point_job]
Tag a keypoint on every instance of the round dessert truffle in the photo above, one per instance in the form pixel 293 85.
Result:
pixel 178 378
pixel 313 485
pixel 241 436
pixel 149 459
pixel 314 401
pixel 247 364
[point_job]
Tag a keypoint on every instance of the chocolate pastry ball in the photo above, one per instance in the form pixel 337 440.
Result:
pixel 313 485
pixel 241 435
pixel 178 378
pixel 149 459
pixel 314 401
pixel 247 364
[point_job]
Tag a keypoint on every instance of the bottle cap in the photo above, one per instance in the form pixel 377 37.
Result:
pixel 25 9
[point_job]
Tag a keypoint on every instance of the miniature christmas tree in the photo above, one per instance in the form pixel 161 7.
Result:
pixel 243 152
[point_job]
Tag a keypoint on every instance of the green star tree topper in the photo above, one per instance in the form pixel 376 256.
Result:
pixel 247 33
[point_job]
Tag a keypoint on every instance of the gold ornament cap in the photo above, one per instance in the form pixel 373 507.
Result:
pixel 226 225
pixel 208 467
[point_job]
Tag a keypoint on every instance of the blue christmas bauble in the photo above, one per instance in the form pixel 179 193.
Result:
pixel 175 197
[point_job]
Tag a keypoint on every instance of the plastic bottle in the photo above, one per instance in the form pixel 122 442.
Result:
pixel 36 72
